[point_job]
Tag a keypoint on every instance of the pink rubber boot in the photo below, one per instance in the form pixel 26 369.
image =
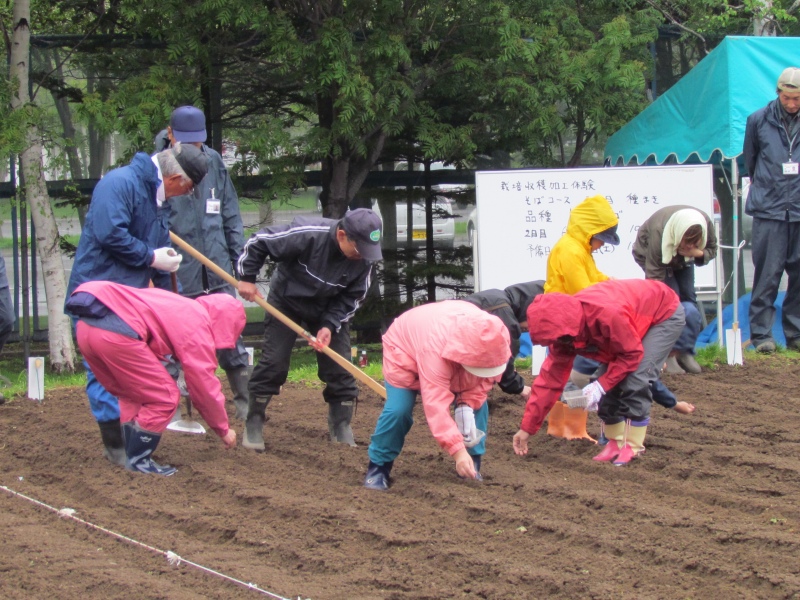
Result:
pixel 632 443
pixel 609 453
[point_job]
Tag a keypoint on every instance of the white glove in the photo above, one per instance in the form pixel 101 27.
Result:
pixel 465 419
pixel 166 259
pixel 594 392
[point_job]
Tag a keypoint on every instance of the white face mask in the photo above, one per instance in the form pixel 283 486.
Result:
pixel 160 195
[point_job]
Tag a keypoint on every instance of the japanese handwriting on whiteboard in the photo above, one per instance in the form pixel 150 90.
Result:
pixel 538 251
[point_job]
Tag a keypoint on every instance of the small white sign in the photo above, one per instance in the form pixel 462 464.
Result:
pixel 538 354
pixel 36 378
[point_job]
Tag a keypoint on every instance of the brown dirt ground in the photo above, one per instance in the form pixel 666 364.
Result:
pixel 710 511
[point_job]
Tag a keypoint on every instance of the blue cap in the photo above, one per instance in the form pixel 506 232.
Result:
pixel 188 124
pixel 609 236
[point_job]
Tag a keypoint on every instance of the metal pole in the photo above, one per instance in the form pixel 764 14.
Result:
pixel 26 295
pixel 34 283
pixel 720 287
pixel 15 243
pixel 735 190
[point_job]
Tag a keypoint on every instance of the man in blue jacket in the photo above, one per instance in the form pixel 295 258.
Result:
pixel 209 220
pixel 771 154
pixel 125 239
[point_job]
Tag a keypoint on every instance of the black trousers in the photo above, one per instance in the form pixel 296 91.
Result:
pixel 273 366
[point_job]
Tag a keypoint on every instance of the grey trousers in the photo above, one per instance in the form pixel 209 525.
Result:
pixel 631 398
pixel 776 248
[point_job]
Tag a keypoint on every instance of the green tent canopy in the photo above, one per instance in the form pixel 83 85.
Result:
pixel 702 117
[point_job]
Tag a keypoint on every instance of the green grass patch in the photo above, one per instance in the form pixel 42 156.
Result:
pixel 304 365
pixel 7 242
pixel 13 367
pixel 60 212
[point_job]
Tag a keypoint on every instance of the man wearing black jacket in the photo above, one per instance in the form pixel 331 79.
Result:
pixel 323 271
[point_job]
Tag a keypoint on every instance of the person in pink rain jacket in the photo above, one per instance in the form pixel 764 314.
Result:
pixel 449 352
pixel 124 334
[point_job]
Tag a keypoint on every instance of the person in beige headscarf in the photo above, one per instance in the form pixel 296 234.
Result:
pixel 668 246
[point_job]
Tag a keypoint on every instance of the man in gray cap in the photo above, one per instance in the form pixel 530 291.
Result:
pixel 125 239
pixel 209 220
pixel 771 154
pixel 322 275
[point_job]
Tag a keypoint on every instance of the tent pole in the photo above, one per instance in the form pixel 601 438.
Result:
pixel 735 262
pixel 720 287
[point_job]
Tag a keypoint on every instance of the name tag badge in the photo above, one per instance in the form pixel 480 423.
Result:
pixel 790 168
pixel 212 204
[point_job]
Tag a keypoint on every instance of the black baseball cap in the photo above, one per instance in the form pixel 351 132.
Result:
pixel 364 227
pixel 192 160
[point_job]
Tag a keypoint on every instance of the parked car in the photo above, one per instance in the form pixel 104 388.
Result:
pixel 472 227
pixel 444 228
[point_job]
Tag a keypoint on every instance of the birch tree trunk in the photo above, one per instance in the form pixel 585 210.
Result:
pixel 764 23
pixel 62 350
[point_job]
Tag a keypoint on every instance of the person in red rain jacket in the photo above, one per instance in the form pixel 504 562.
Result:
pixel 628 325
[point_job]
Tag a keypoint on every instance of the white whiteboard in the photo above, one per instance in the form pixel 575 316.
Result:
pixel 522 214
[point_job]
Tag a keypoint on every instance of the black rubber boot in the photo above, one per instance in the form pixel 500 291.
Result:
pixel 339 416
pixel 238 380
pixel 114 445
pixel 139 447
pixel 253 438
pixel 378 476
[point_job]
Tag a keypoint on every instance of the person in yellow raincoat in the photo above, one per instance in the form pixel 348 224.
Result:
pixel 571 268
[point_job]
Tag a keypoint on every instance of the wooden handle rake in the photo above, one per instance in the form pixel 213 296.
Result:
pixel 338 358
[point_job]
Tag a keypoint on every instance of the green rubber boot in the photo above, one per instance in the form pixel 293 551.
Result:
pixel 339 416
pixel 253 438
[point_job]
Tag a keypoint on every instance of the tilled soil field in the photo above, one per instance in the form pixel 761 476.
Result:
pixel 711 510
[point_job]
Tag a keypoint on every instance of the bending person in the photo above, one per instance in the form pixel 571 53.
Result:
pixel 668 246
pixel 125 239
pixel 323 270
pixel 125 333
pixel 510 305
pixel 449 353
pixel 630 326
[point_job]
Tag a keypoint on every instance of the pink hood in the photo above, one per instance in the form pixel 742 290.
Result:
pixel 425 349
pixel 227 318
pixel 477 341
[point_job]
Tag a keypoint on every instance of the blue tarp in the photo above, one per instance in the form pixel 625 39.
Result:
pixel 709 334
pixel 525 345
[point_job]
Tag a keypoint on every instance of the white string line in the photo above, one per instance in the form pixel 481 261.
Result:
pixel 172 558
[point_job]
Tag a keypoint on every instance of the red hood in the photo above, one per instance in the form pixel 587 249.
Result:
pixel 553 315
